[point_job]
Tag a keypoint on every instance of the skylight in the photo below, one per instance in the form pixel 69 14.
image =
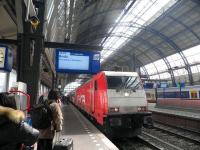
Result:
pixel 51 8
pixel 129 20
pixel 159 70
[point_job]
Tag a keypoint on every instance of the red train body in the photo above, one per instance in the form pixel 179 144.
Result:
pixel 110 101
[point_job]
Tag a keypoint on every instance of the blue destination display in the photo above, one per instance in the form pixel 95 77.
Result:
pixel 6 58
pixel 73 61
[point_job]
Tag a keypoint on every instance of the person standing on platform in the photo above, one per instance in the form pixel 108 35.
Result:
pixel 13 130
pixel 46 136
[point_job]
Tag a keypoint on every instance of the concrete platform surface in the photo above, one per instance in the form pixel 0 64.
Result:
pixel 181 113
pixel 84 134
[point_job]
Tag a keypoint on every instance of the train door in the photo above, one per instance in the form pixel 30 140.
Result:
pixel 95 95
pixel 92 88
pixel 193 94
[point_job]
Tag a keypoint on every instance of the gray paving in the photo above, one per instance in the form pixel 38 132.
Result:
pixel 84 134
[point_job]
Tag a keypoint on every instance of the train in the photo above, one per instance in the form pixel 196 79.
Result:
pixel 187 92
pixel 116 101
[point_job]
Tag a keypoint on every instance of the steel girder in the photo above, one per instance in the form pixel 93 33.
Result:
pixel 97 14
pixel 170 42
pixel 9 6
pixel 91 30
pixel 90 17
pixel 186 27
pixel 160 54
pixel 139 62
pixel 158 51
pixel 180 22
pixel 121 17
pixel 87 31
pixel 143 64
pixel 176 47
pixel 146 72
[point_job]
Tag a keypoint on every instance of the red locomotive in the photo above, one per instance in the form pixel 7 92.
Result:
pixel 116 101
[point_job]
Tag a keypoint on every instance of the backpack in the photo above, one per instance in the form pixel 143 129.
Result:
pixel 41 116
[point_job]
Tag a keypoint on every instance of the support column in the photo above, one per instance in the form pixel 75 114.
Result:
pixel 30 47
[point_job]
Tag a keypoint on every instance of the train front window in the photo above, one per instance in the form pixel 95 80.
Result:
pixel 123 82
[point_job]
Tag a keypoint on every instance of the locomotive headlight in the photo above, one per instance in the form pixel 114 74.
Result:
pixel 126 94
pixel 139 108
pixel 142 108
pixel 114 109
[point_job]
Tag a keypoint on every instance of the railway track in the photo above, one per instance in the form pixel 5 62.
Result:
pixel 183 133
pixel 177 127
pixel 172 138
pixel 162 137
pixel 134 144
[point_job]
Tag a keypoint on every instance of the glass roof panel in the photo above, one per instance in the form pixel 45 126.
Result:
pixel 193 54
pixel 118 43
pixel 198 66
pixel 175 60
pixel 165 75
pixel 139 13
pixel 50 8
pixel 195 69
pixel 107 54
pixel 142 71
pixel 101 60
pixel 160 65
pixel 180 72
pixel 151 69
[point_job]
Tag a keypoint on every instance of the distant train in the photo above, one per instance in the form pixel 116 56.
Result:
pixel 116 101
pixel 188 92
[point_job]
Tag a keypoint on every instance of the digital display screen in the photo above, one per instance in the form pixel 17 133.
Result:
pixel 77 61
pixel 73 61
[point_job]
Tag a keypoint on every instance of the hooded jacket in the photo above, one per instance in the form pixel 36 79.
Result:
pixel 12 135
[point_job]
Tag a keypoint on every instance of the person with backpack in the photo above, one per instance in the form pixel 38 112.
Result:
pixel 46 135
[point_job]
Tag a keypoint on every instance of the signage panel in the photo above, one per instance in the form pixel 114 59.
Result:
pixel 73 61
pixel 6 58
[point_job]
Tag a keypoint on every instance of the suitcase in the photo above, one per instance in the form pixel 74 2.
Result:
pixel 64 143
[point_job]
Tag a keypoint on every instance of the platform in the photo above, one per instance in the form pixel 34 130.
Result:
pixel 180 113
pixel 84 134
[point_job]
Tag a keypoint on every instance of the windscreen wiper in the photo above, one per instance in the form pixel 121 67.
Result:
pixel 132 83
pixel 135 87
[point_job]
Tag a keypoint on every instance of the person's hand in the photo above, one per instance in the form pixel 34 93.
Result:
pixel 15 115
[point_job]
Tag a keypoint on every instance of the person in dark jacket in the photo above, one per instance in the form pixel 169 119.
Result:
pixel 13 131
pixel 46 135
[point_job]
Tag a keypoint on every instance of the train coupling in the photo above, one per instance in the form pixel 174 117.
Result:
pixel 148 122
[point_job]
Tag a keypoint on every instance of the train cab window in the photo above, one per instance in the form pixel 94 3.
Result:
pixel 95 85
pixel 123 82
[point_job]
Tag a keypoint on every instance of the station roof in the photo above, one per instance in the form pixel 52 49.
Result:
pixel 147 29
pixel 159 37
pixel 150 34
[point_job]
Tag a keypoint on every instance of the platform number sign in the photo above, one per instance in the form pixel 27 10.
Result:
pixel 6 58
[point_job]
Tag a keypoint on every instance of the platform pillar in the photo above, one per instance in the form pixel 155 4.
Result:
pixel 30 47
